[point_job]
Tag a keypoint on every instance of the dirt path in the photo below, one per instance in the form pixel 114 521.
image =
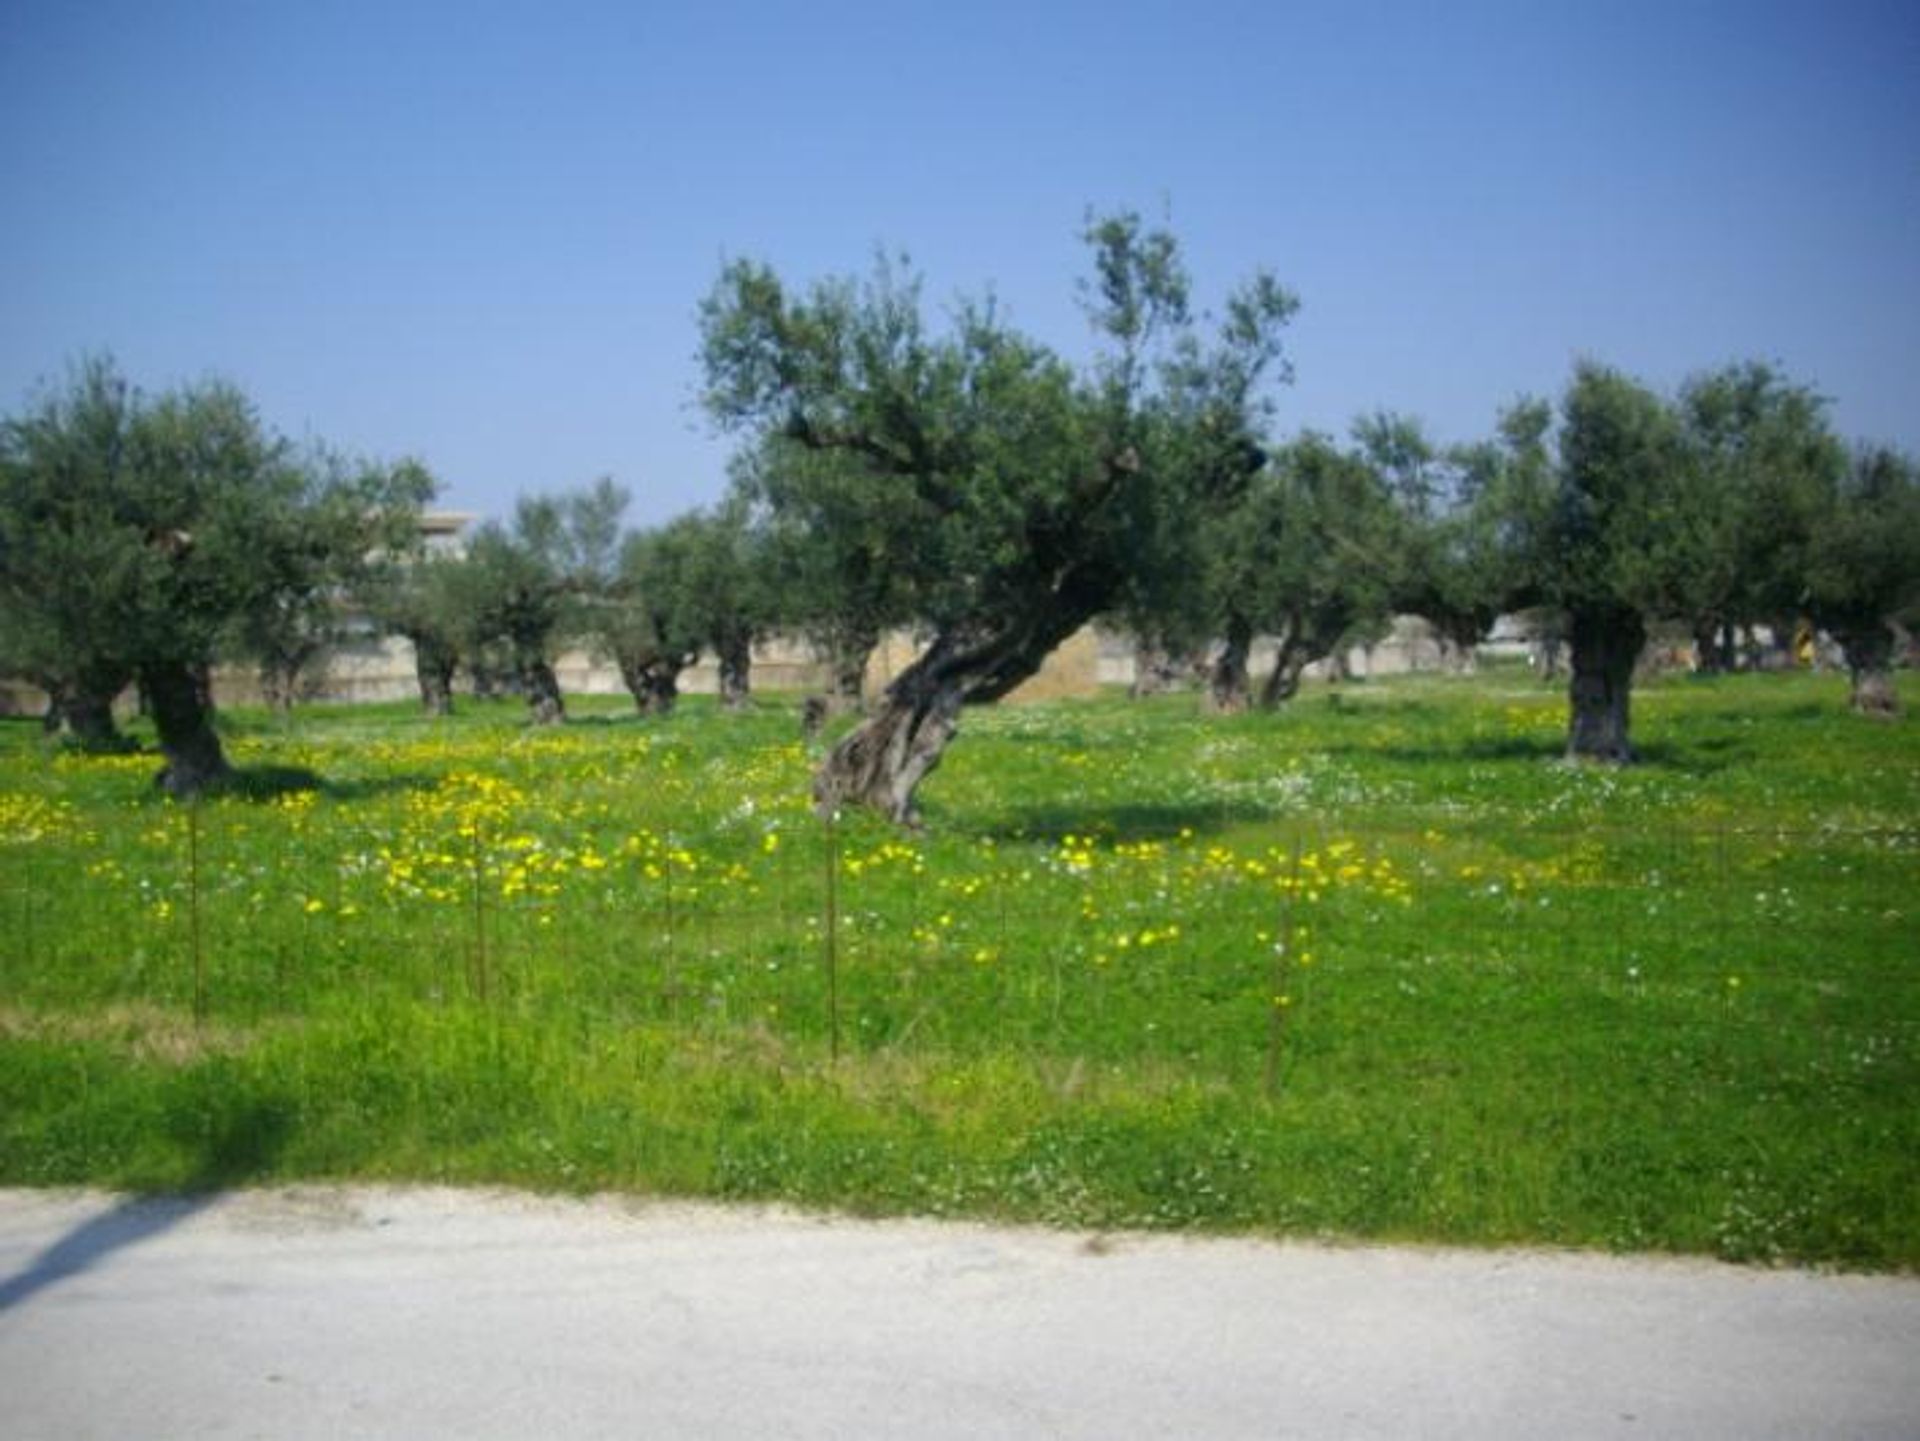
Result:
pixel 429 1313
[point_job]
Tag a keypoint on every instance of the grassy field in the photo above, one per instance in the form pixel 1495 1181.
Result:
pixel 1377 966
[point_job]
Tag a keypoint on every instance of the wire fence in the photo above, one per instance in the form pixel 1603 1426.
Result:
pixel 1239 963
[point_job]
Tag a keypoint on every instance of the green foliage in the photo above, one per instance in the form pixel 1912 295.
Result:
pixel 721 581
pixel 1456 560
pixel 1761 464
pixel 976 482
pixel 325 548
pixel 968 433
pixel 1863 555
pixel 1310 554
pixel 677 586
pixel 147 536
pixel 835 563
pixel 422 596
pixel 531 586
pixel 68 571
pixel 1622 474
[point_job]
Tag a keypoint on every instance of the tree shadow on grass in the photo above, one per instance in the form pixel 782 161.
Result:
pixel 241 1145
pixel 615 720
pixel 1704 757
pixel 1701 757
pixel 267 783
pixel 1127 821
pixel 270 782
pixel 361 788
pixel 1482 749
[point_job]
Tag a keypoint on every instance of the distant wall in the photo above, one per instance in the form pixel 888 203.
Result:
pixel 1410 645
pixel 381 669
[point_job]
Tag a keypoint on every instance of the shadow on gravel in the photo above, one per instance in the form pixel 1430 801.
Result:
pixel 243 1146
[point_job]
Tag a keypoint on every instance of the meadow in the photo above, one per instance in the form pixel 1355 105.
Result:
pixel 1377 966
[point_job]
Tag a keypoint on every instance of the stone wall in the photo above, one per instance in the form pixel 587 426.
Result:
pixel 381 669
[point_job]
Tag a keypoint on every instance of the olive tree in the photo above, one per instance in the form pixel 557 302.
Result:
pixel 1612 550
pixel 834 562
pixel 528 586
pixel 1450 569
pixel 726 590
pixel 1309 557
pixel 1862 569
pixel 1038 490
pixel 1761 463
pixel 136 536
pixel 423 598
pixel 650 622
pixel 322 555
pixel 67 567
pixel 698 582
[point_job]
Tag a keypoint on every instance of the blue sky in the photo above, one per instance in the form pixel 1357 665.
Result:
pixel 478 233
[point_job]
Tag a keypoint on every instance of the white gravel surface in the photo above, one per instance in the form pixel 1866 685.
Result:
pixel 420 1314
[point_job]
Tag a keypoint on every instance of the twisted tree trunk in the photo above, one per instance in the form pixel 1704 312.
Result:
pixel 434 663
pixel 1606 641
pixel 195 762
pixel 652 678
pixel 1228 685
pixel 84 709
pixel 881 763
pixel 735 654
pixel 545 705
pixel 1283 681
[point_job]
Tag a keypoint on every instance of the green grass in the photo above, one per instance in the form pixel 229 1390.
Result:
pixel 1377 966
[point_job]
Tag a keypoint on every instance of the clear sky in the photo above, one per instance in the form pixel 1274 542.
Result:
pixel 478 233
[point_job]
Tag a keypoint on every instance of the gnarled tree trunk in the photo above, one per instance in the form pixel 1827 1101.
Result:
pixel 195 761
pixel 881 763
pixel 1283 682
pixel 545 705
pixel 1605 643
pixel 434 663
pixel 84 709
pixel 1228 686
pixel 735 655
pixel 652 678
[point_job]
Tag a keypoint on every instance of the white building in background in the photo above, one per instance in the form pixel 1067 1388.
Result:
pixel 444 532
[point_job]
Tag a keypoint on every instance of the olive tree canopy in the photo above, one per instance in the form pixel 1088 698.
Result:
pixel 1040 495
pixel 138 537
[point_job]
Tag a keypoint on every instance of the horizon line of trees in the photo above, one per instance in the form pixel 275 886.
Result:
pixel 971 484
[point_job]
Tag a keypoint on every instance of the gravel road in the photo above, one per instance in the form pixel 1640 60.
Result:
pixel 357 1312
